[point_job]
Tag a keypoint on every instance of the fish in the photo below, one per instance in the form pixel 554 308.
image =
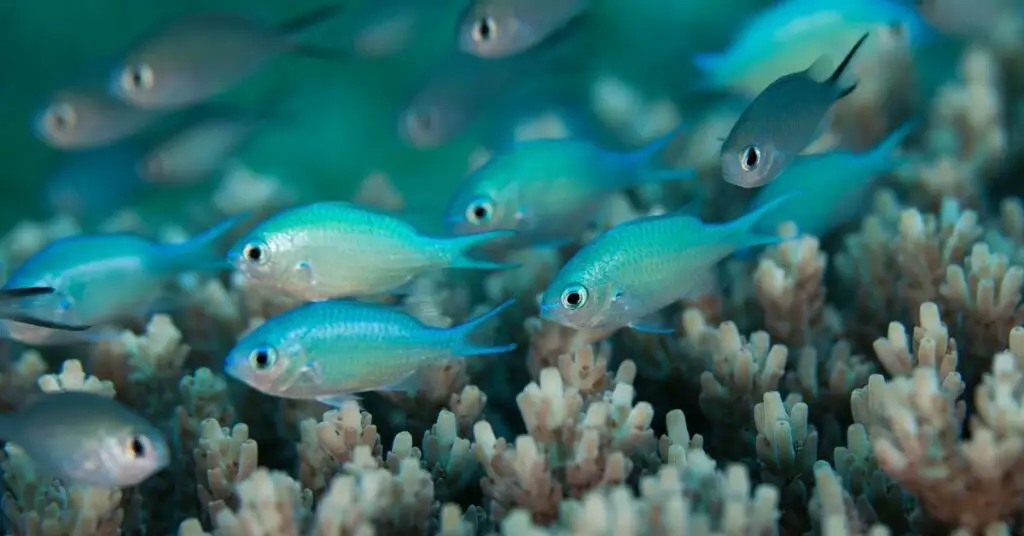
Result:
pixel 460 90
pixel 834 186
pixel 335 249
pixel 92 185
pixel 85 438
pixel 792 34
pixel 75 120
pixel 780 123
pixel 23 304
pixel 333 350
pixel 195 57
pixel 550 190
pixel 200 148
pixel 635 269
pixel 105 278
pixel 387 28
pixel 502 28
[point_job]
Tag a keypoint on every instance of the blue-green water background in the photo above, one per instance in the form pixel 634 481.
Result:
pixel 340 117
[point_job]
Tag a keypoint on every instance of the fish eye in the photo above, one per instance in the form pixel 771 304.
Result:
pixel 263 358
pixel 427 118
pixel 139 77
pixel 61 117
pixel 138 446
pixel 484 29
pixel 254 253
pixel 750 158
pixel 480 211
pixel 574 297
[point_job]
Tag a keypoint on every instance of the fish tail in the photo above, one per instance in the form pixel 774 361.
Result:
pixel 463 347
pixel 309 19
pixel 201 252
pixel 884 154
pixel 642 160
pixel 39 306
pixel 457 250
pixel 845 64
pixel 655 146
pixel 745 226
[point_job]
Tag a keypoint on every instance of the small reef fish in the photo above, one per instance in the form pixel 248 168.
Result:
pixel 635 269
pixel 22 304
pixel 335 249
pixel 503 28
pixel 199 149
pixel 86 438
pixel 105 278
pixel 198 56
pixel 94 184
pixel 550 190
pixel 780 123
pixel 387 28
pixel 792 34
pixel 75 120
pixel 332 350
pixel 833 186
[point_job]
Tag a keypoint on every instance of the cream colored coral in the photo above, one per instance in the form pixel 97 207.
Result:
pixel 932 346
pixel 158 353
pixel 825 380
pixel 22 377
pixel 549 340
pixel 243 190
pixel 468 406
pixel 224 458
pixel 326 446
pixel 28 237
pixel 72 377
pixel 270 504
pixel 789 285
pixel 448 457
pixel 204 395
pixel 787 444
pixel 378 191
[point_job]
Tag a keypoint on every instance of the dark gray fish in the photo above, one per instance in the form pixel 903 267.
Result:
pixel 86 438
pixel 502 28
pixel 780 123
pixel 82 119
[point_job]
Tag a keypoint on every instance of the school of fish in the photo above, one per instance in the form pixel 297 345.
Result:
pixel 148 118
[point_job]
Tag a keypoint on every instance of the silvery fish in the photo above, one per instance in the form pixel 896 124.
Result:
pixel 24 305
pixel 105 278
pixel 637 268
pixel 335 249
pixel 502 28
pixel 91 185
pixel 551 190
pixel 80 119
pixel 88 439
pixel 198 56
pixel 780 123
pixel 833 186
pixel 332 350
pixel 199 149
pixel 792 34
pixel 388 27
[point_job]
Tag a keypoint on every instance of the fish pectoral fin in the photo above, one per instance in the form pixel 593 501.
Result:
pixel 652 324
pixel 338 400
pixel 409 383
pixel 305 269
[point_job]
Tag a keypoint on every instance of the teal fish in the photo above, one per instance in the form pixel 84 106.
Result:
pixel 792 34
pixel 550 190
pixel 88 439
pixel 335 249
pixel 193 58
pixel 332 350
pixel 105 278
pixel 503 28
pixel 74 120
pixel 780 123
pixel 635 269
pixel 833 186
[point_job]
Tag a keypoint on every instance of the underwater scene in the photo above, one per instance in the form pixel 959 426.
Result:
pixel 512 268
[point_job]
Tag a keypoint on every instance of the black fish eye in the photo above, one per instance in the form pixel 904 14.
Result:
pixel 137 77
pixel 262 358
pixel 480 211
pixel 484 29
pixel 574 297
pixel 61 117
pixel 137 447
pixel 750 158
pixel 253 252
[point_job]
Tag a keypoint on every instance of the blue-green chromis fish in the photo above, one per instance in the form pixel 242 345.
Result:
pixel 75 120
pixel 86 438
pixel 193 58
pixel 790 35
pixel 503 28
pixel 550 190
pixel 780 123
pixel 106 278
pixel 336 249
pixel 332 350
pixel 635 269
pixel 200 148
pixel 833 186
